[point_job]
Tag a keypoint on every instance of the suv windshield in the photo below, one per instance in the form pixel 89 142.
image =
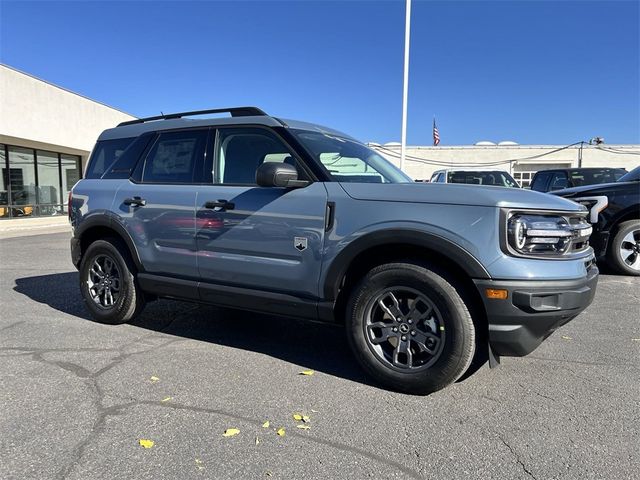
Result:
pixel 348 160
pixel 632 176
pixel 496 178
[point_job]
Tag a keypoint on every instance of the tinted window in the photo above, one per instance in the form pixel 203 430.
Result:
pixel 540 181
pixel 495 178
pixel 241 150
pixel 175 157
pixel 595 176
pixel 440 178
pixel 559 181
pixel 105 153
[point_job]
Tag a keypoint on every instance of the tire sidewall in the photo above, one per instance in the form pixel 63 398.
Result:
pixel 459 338
pixel 122 307
pixel 616 259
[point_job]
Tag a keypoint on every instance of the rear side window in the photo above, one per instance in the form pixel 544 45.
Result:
pixel 175 157
pixel 105 153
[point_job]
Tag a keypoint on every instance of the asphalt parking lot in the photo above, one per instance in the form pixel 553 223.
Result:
pixel 77 397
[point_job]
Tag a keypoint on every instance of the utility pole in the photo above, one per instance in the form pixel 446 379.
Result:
pixel 405 88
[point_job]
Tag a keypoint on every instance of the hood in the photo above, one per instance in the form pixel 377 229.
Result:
pixel 599 188
pixel 458 194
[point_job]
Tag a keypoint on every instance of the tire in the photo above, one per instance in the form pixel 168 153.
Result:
pixel 121 299
pixel 441 323
pixel 624 251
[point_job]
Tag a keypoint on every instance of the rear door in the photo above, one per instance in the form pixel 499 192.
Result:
pixel 157 205
pixel 259 238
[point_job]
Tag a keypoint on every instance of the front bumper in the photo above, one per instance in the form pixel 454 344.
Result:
pixel 533 310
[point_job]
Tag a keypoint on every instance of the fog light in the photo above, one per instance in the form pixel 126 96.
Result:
pixel 496 293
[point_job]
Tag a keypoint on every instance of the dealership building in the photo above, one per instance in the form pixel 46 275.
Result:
pixel 47 133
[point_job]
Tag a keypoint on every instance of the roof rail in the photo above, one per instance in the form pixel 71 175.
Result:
pixel 234 111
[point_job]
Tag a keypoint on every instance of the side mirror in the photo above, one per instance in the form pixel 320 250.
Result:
pixel 276 174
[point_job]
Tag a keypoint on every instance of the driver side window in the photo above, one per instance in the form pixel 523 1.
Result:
pixel 240 151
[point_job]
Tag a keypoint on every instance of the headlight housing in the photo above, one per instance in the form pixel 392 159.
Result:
pixel 548 235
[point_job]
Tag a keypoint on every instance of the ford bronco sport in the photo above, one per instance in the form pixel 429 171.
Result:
pixel 284 217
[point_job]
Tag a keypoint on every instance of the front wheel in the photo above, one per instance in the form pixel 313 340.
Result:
pixel 108 284
pixel 409 328
pixel 624 254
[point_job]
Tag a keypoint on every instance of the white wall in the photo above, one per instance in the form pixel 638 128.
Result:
pixel 32 110
pixel 514 158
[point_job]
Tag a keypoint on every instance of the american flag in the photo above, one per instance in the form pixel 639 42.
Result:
pixel 436 134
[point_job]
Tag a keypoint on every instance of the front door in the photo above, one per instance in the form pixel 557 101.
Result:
pixel 158 207
pixel 261 238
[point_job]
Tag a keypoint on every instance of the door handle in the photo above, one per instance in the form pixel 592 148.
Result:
pixel 220 205
pixel 135 201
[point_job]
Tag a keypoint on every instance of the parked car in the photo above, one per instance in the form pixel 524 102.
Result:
pixel 494 178
pixel 614 209
pixel 308 222
pixel 561 178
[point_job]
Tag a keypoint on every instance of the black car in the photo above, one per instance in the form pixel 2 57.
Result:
pixel 559 178
pixel 614 211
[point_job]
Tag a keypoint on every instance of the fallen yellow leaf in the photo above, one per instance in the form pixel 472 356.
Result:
pixel 302 426
pixel 230 432
pixel 166 399
pixel 635 339
pixel 146 443
pixel 566 337
pixel 307 372
pixel 257 440
pixel 266 424
pixel 299 417
pixel 281 432
pixel 199 464
pixel 154 379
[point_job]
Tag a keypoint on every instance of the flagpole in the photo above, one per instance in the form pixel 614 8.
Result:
pixel 405 87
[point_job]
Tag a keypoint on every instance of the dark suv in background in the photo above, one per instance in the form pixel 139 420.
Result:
pixel 614 209
pixel 557 179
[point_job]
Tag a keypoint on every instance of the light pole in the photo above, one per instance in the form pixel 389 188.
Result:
pixel 405 89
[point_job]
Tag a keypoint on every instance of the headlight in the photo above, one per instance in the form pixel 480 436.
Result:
pixel 552 235
pixel 594 204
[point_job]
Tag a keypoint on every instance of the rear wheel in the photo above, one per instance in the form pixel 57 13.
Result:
pixel 108 284
pixel 409 328
pixel 624 253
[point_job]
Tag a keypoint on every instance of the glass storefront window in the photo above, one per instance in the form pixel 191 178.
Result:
pixel 35 182
pixel 22 176
pixel 4 185
pixel 48 183
pixel 70 174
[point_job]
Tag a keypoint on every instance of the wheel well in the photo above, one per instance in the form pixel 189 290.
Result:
pixel 389 253
pixel 631 215
pixel 101 232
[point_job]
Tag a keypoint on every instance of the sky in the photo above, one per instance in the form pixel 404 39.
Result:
pixel 534 72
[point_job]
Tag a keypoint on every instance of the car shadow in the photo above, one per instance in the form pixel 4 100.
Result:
pixel 317 346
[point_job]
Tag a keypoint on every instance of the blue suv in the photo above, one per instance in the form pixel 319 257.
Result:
pixel 285 217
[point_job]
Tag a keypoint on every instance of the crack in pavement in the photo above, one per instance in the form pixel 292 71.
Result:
pixel 91 380
pixel 517 457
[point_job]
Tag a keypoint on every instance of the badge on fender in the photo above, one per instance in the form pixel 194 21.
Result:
pixel 300 243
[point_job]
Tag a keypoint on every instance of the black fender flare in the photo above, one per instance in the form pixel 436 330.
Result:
pixel 445 247
pixel 105 220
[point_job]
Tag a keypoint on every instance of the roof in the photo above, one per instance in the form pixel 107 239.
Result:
pixel 172 122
